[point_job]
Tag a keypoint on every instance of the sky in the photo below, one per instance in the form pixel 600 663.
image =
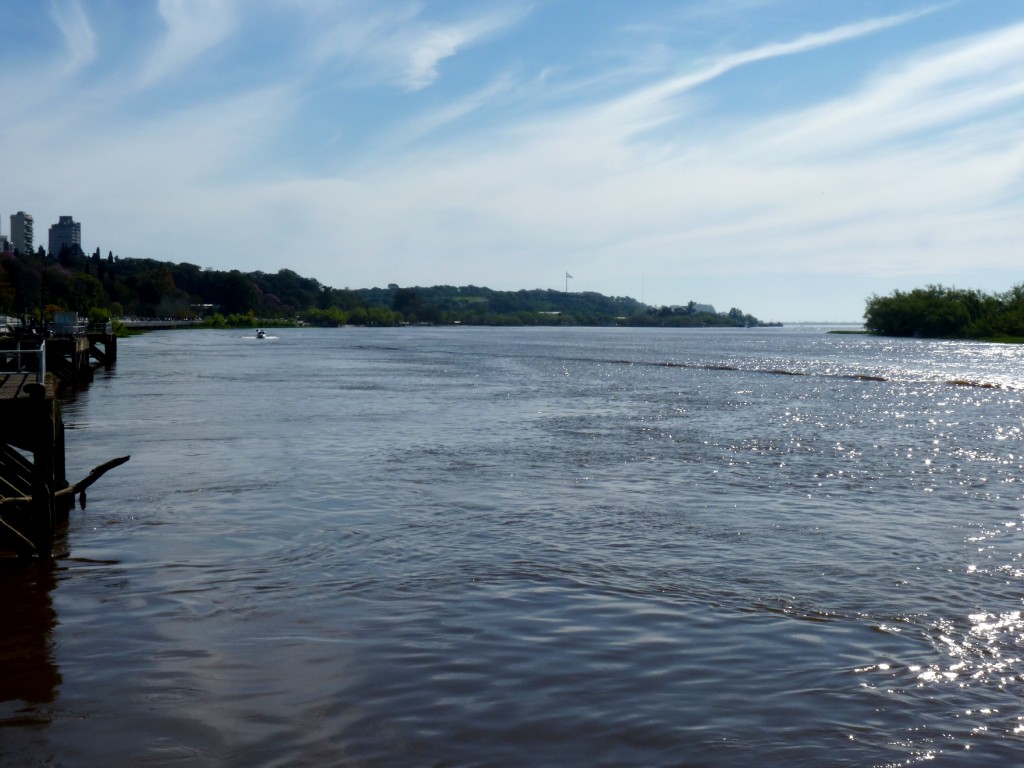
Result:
pixel 790 158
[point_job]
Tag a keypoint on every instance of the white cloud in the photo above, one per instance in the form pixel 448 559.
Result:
pixel 436 42
pixel 918 170
pixel 825 191
pixel 940 89
pixel 74 26
pixel 193 28
pixel 450 113
pixel 400 46
pixel 648 106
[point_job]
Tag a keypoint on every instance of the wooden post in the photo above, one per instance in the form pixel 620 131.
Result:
pixel 43 479
pixel 30 422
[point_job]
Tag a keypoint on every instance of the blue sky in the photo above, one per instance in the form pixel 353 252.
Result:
pixel 787 157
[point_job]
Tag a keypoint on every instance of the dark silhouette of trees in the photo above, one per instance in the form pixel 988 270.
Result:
pixel 407 301
pixel 139 287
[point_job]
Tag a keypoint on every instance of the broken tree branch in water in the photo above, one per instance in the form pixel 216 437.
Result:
pixel 92 477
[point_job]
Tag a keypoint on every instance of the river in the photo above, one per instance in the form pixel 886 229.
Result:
pixel 544 547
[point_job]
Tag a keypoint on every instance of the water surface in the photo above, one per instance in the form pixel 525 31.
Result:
pixel 506 547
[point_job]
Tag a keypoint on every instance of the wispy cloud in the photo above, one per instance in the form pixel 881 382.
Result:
pixel 646 101
pixel 437 42
pixel 824 191
pixel 936 90
pixel 913 163
pixel 401 46
pixel 193 28
pixel 455 110
pixel 74 26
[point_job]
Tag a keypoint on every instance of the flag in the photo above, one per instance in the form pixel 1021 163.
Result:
pixel 568 276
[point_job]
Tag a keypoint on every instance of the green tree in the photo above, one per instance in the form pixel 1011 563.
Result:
pixel 87 294
pixel 237 293
pixel 939 312
pixel 407 302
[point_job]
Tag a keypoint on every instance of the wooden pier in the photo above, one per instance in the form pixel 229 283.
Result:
pixel 73 348
pixel 31 453
pixel 34 493
pixel 102 344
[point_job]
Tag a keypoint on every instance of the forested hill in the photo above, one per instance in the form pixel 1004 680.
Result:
pixel 102 287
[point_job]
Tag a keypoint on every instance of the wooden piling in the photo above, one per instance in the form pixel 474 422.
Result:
pixel 30 426
pixel 67 357
pixel 103 347
pixel 34 493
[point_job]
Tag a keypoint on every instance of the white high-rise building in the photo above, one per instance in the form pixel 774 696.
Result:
pixel 21 232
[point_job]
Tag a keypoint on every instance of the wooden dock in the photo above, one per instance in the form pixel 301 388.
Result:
pixel 75 348
pixel 102 344
pixel 32 467
pixel 35 495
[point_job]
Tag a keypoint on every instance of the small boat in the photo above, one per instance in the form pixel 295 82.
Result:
pixel 261 334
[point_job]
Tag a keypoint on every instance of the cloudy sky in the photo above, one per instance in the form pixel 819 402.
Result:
pixel 787 157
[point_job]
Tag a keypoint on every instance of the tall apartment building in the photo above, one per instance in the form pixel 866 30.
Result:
pixel 66 232
pixel 21 232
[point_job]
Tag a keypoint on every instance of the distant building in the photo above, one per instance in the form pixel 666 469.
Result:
pixel 21 232
pixel 66 232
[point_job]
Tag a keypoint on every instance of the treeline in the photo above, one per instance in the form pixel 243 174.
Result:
pixel 98 287
pixel 947 313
